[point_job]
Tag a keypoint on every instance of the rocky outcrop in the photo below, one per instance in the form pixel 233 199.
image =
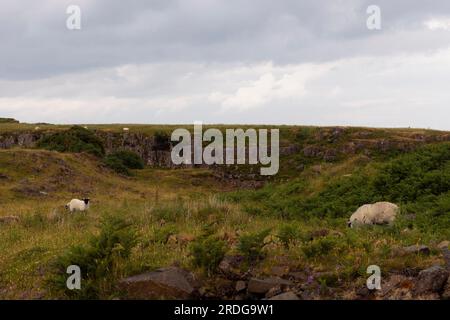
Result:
pixel 285 296
pixel 431 280
pixel 23 140
pixel 328 144
pixel 415 249
pixel 169 283
pixel 262 286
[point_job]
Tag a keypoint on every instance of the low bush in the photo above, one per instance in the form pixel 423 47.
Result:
pixel 122 161
pixel 207 252
pixel 289 234
pixel 102 261
pixel 251 245
pixel 76 139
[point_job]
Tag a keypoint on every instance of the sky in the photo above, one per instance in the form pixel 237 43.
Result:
pixel 303 62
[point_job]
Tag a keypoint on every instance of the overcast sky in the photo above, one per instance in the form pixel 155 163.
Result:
pixel 310 62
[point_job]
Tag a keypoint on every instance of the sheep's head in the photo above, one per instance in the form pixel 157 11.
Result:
pixel 86 200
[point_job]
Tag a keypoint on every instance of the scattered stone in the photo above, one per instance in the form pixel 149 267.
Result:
pixel 169 283
pixel 273 292
pixel 446 256
pixel 446 294
pixel 297 276
pixel 240 286
pixel 431 280
pixel 285 296
pixel 393 282
pixel 261 287
pixel 443 245
pixel 397 287
pixel 330 155
pixel 416 249
pixel 363 292
pixel 312 151
pixel 3 176
pixel 224 288
pixel 9 219
pixel 230 267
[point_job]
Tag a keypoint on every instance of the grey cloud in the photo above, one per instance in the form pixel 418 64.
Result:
pixel 35 42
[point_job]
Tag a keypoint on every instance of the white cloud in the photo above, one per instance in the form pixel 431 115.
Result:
pixel 438 23
pixel 401 90
pixel 273 85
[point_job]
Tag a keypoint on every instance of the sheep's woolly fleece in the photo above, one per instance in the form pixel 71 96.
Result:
pixel 377 213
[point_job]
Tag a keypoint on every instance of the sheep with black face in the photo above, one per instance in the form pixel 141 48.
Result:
pixel 78 205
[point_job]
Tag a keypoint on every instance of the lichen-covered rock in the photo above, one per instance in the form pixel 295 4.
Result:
pixel 168 283
pixel 262 286
pixel 431 280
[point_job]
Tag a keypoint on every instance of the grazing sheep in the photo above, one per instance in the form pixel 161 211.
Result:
pixel 126 129
pixel 377 213
pixel 78 205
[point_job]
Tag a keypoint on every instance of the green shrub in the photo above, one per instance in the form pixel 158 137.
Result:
pixel 102 261
pixel 207 252
pixel 76 139
pixel 8 120
pixel 116 164
pixel 288 234
pixel 129 159
pixel 251 245
pixel 162 141
pixel 122 161
pixel 162 234
pixel 319 248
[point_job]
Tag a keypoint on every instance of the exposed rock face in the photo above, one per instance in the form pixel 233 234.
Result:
pixel 338 141
pixel 24 140
pixel 169 283
pixel 152 151
pixel 431 280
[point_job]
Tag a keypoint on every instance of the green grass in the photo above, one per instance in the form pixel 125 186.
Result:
pixel 165 206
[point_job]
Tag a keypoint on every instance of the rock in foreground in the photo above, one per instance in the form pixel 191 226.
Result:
pixel 167 283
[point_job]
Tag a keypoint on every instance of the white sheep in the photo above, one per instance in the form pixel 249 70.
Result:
pixel 78 205
pixel 126 129
pixel 377 213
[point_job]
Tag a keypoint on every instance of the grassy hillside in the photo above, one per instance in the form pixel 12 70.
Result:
pixel 189 218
